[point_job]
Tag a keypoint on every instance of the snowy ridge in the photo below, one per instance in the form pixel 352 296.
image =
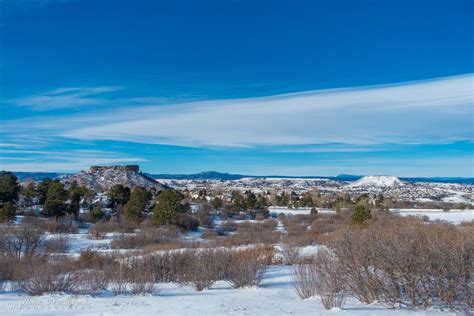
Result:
pixel 377 181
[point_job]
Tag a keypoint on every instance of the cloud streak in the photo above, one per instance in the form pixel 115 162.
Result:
pixel 413 112
pixel 430 111
pixel 65 98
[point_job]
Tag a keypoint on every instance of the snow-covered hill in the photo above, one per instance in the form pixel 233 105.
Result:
pixel 377 181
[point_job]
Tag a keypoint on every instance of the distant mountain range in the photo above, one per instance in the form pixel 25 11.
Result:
pixel 214 175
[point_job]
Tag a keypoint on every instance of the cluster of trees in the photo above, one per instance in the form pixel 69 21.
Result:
pixel 168 207
pixel 56 200
pixel 249 200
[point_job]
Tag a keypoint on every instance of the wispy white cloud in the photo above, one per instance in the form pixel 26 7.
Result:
pixel 430 111
pixel 65 98
pixel 426 111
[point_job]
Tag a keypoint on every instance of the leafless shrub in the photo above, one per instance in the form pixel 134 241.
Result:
pixel 89 259
pixel 99 229
pixel 419 265
pixel 330 283
pixel 6 270
pixel 119 281
pixel 22 241
pixel 140 276
pixel 41 276
pixel 144 238
pixel 270 223
pixel 58 244
pixel 291 254
pixel 207 267
pixel 229 226
pixel 208 234
pixel 89 282
pixel 65 227
pixel 305 280
pixel 247 267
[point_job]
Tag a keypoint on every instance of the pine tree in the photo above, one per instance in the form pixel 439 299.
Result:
pixel 136 205
pixel 360 216
pixel 96 213
pixel 42 190
pixel 217 203
pixel 250 200
pixel 169 206
pixel 9 187
pixel 118 195
pixel 55 204
pixel 75 194
pixel 7 212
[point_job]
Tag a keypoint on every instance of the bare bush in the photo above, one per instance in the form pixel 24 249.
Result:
pixel 89 282
pixel 58 244
pixel 89 259
pixel 100 229
pixel 119 281
pixel 140 277
pixel 22 241
pixel 305 280
pixel 291 254
pixel 40 276
pixel 144 237
pixel 207 267
pixel 247 267
pixel 62 227
pixel 229 226
pixel 6 270
pixel 419 265
pixel 330 283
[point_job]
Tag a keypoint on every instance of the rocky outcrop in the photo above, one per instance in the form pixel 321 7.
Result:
pixel 102 178
pixel 132 168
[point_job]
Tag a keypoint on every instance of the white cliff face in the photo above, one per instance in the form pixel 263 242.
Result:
pixel 377 181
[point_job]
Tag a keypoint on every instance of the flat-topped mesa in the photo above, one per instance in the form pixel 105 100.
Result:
pixel 102 178
pixel 132 168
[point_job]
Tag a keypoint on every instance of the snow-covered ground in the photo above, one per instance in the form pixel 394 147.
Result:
pixel 275 296
pixel 452 216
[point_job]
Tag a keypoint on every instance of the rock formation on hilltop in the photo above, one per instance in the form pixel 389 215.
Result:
pixel 102 178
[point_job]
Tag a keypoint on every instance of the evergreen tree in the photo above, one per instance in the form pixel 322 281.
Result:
pixel 29 193
pixel 55 204
pixel 238 199
pixel 42 190
pixel 217 203
pixel 262 202
pixel 96 213
pixel 306 200
pixel 282 200
pixel 136 205
pixel 9 187
pixel 118 195
pixel 250 200
pixel 7 212
pixel 169 208
pixel 360 215
pixel 75 194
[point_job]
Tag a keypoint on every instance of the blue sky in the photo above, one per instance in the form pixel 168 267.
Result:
pixel 253 87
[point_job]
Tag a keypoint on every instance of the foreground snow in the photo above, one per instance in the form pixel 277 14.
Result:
pixel 275 296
